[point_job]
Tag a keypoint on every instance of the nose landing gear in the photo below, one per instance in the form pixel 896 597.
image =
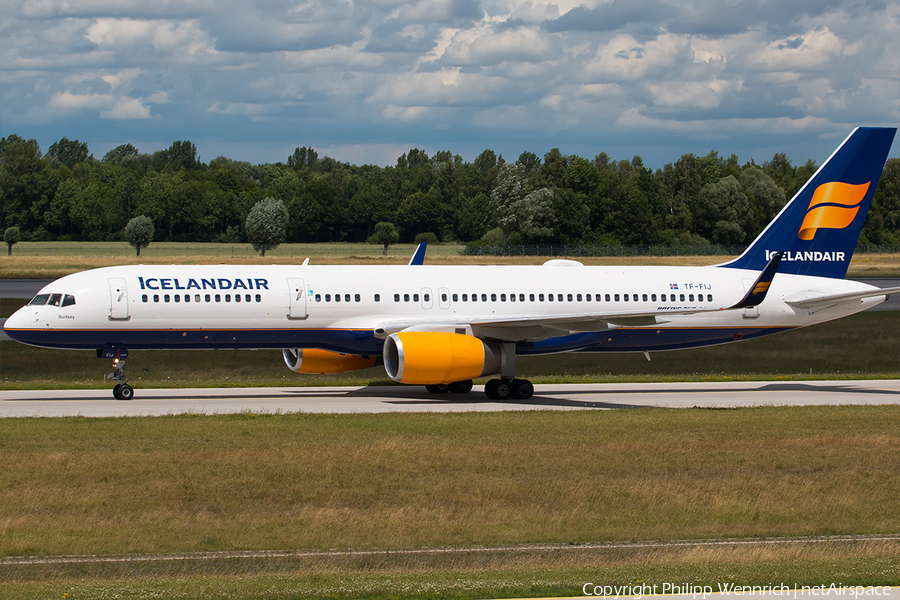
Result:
pixel 122 391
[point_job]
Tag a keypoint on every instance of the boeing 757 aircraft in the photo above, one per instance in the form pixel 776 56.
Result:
pixel 443 326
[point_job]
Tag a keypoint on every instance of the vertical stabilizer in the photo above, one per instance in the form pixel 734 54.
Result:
pixel 818 229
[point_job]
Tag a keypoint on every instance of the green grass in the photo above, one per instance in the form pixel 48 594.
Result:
pixel 199 483
pixel 176 484
pixel 545 574
pixel 866 345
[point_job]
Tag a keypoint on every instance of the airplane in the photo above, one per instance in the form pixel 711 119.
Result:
pixel 443 326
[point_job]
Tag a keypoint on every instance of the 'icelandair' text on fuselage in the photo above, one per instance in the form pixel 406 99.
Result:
pixel 808 256
pixel 202 283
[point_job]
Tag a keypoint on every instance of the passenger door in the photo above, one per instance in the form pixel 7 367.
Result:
pixel 297 291
pixel 118 299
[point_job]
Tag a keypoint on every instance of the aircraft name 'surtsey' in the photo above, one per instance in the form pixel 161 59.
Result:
pixel 444 326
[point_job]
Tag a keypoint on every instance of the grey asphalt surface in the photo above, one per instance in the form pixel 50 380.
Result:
pixel 378 399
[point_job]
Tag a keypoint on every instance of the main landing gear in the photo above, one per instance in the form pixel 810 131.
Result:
pixel 496 389
pixel 457 387
pixel 122 391
pixel 504 389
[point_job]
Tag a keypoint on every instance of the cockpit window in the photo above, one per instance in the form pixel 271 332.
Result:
pixel 39 300
pixel 55 299
pixel 68 300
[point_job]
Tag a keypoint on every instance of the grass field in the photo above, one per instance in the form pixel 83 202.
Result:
pixel 192 483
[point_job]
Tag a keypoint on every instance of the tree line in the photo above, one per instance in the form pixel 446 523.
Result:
pixel 67 194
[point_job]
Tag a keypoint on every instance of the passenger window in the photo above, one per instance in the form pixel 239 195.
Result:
pixel 327 297
pixel 426 297
pixel 709 297
pixel 237 297
pixel 540 297
pixel 196 297
pixel 644 297
pixel 587 297
pixel 484 297
pixel 55 299
pixel 502 297
pixel 165 298
pixel 396 297
pixel 672 297
pixel 474 297
pixel 346 297
pixel 465 297
pixel 682 297
pixel 39 300
pixel 187 297
pixel 144 297
pixel 455 297
pixel 207 298
pixel 156 297
pixel 259 297
pixel 246 297
pixel 177 297
pixel 337 297
pixel 597 297
pixel 377 297
pixel 625 298
pixel 318 298
pixel 559 297
pixel 616 297
pixel 227 297
pixel 531 297
pixel 406 297
pixel 415 297
pixel 549 297
pixel 653 297
pixel 218 298
pixel 691 297
pixel 607 298
pixel 578 297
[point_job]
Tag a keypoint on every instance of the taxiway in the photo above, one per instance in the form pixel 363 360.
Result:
pixel 377 399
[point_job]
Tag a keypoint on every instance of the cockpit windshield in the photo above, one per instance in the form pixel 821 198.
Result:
pixel 52 300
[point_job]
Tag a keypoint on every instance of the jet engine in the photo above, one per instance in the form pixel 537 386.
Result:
pixel 313 360
pixel 432 357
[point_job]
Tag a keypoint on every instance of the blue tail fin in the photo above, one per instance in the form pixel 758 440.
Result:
pixel 818 229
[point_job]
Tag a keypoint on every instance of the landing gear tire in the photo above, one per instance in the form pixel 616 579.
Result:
pixel 123 391
pixel 461 387
pixel 522 389
pixel 498 389
pixel 438 388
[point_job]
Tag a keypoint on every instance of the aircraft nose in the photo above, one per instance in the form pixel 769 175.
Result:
pixel 17 322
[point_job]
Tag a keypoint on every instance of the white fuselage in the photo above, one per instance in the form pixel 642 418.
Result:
pixel 349 308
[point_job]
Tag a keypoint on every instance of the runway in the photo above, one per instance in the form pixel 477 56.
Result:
pixel 378 399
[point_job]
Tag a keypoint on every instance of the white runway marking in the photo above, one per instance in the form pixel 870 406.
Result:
pixel 376 399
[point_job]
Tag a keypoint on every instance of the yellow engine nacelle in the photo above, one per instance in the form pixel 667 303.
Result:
pixel 313 360
pixel 431 357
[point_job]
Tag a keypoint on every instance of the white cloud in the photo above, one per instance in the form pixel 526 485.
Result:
pixel 692 94
pixel 126 108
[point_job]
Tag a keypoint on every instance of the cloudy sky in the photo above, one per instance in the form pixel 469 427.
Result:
pixel 365 80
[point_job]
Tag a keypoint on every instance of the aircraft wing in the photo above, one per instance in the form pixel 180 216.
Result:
pixel 820 300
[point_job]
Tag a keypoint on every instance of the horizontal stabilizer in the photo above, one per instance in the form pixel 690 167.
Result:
pixel 816 301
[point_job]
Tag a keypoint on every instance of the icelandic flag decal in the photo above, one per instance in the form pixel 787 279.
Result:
pixel 673 286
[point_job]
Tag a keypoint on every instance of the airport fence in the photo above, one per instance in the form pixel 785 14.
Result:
pixel 301 251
